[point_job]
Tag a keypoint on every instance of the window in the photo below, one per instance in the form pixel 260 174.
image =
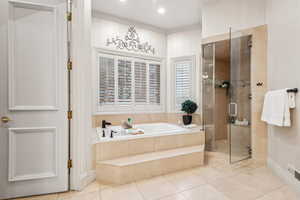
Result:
pixel 107 80
pixel 154 83
pixel 128 84
pixel 124 81
pixel 184 80
pixel 140 80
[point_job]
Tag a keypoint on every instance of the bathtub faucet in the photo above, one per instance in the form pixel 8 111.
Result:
pixel 105 123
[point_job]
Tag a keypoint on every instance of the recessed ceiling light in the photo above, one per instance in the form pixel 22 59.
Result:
pixel 161 10
pixel 123 1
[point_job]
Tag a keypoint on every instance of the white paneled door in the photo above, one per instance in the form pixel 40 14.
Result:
pixel 33 89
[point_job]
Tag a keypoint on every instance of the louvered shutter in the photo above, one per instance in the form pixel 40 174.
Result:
pixel 124 81
pixel 183 81
pixel 154 83
pixel 107 80
pixel 140 81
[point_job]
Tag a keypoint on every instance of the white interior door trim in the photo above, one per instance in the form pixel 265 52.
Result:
pixel 82 172
pixel 11 60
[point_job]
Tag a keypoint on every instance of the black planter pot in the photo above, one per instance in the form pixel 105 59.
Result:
pixel 187 119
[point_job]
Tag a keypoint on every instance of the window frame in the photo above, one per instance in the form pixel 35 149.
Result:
pixel 132 106
pixel 192 58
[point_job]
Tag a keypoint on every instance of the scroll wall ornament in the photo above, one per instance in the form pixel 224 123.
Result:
pixel 131 42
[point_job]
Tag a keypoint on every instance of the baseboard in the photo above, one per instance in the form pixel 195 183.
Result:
pixel 284 174
pixel 87 178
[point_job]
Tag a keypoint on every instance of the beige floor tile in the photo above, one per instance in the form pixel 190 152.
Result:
pixel 155 188
pixel 123 192
pixel 185 180
pixel 174 197
pixel 87 196
pixel 93 187
pixel 235 190
pixel 265 183
pixel 284 193
pixel 68 195
pixel 204 192
pixel 41 197
pixel 208 173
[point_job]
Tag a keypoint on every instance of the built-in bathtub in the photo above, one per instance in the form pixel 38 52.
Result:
pixel 162 149
pixel 149 130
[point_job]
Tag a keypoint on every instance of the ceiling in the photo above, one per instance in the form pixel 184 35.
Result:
pixel 179 13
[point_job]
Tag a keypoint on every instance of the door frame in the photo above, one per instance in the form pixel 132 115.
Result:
pixel 82 172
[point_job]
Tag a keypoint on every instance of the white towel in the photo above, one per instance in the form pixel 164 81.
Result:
pixel 276 110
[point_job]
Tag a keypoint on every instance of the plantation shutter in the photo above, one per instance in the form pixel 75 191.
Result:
pixel 154 83
pixel 183 81
pixel 124 81
pixel 107 80
pixel 140 80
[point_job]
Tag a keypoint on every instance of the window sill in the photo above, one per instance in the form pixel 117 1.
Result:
pixel 128 112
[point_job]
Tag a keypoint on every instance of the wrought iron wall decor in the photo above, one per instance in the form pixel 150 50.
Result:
pixel 131 42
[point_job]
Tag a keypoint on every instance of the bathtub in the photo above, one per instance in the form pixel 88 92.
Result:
pixel 150 130
pixel 163 148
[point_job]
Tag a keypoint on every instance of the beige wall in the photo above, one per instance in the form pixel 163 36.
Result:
pixel 284 72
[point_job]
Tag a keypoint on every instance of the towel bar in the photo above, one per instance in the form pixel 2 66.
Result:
pixel 294 90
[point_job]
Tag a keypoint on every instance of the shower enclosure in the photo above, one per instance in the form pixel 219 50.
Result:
pixel 226 95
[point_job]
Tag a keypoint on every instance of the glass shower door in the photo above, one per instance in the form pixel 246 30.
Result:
pixel 208 95
pixel 239 108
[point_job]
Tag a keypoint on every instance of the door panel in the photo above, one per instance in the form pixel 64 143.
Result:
pixel 33 89
pixel 240 97
pixel 208 99
pixel 24 143
pixel 33 49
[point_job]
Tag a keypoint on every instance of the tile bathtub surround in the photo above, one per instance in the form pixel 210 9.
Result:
pixel 144 166
pixel 205 183
pixel 116 119
pixel 117 149
pixel 126 161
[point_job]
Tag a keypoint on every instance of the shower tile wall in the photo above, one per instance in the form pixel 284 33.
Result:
pixel 222 73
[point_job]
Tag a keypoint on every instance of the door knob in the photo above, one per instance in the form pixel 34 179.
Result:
pixel 5 119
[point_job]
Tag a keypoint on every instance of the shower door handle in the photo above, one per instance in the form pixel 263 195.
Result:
pixel 232 109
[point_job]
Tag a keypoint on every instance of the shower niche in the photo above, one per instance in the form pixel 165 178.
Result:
pixel 226 82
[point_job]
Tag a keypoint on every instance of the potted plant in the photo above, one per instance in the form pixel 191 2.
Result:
pixel 189 107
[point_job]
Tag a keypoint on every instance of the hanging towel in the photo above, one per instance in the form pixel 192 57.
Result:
pixel 276 110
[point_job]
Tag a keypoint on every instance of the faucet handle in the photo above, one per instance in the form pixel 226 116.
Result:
pixel 112 133
pixel 105 123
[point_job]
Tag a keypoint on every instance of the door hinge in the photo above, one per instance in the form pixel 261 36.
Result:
pixel 70 65
pixel 69 16
pixel 70 114
pixel 70 164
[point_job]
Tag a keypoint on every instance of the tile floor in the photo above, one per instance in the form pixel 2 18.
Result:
pixel 217 180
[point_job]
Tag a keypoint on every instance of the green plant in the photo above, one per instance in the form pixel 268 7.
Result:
pixel 189 107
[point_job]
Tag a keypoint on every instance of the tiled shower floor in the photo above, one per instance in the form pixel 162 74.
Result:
pixel 217 180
